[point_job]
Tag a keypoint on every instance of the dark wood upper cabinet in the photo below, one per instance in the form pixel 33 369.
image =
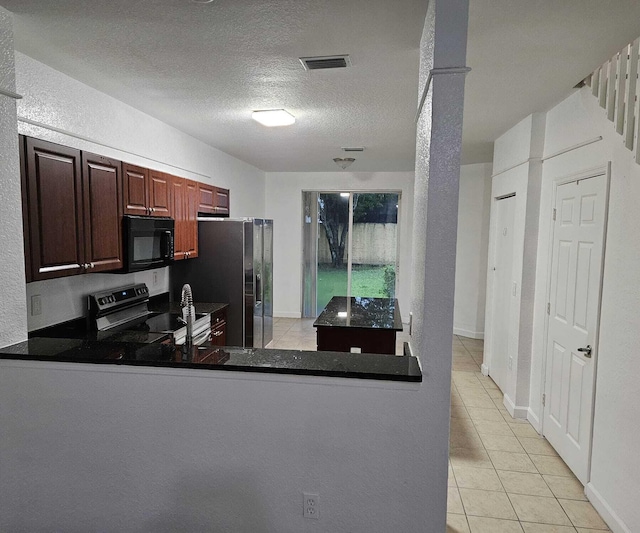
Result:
pixel 25 209
pixel 55 209
pixel 102 186
pixel 222 201
pixel 213 200
pixel 146 192
pixel 191 226
pixel 184 202
pixel 178 203
pixel 159 194
pixel 135 189
pixel 73 203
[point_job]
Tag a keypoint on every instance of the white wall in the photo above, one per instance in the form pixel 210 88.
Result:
pixel 117 449
pixel 517 155
pixel 13 311
pixel 615 468
pixel 284 205
pixel 74 114
pixel 471 251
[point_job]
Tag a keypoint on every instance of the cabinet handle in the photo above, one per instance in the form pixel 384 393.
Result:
pixel 151 210
pixel 217 333
pixel 91 265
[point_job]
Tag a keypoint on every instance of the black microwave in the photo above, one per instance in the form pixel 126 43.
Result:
pixel 148 242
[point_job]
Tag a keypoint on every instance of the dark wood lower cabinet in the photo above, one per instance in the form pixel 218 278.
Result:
pixel 219 328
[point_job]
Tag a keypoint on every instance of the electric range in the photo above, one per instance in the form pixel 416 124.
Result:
pixel 123 313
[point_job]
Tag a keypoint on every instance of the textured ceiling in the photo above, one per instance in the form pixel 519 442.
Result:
pixel 204 67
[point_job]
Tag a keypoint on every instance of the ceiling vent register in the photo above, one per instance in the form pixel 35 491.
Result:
pixel 324 62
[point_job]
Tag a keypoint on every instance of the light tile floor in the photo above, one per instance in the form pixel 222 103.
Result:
pixel 503 477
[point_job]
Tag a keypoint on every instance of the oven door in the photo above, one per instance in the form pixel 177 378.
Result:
pixel 148 241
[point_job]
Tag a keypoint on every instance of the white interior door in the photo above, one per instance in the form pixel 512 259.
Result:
pixel 502 290
pixel 576 270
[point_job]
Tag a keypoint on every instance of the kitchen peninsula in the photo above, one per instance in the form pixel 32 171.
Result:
pixel 208 356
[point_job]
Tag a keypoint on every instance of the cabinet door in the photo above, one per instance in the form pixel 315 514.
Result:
pixel 222 201
pixel 206 198
pixel 219 334
pixel 178 212
pixel 102 184
pixel 54 181
pixel 219 329
pixel 135 189
pixel 191 238
pixel 159 194
pixel 25 208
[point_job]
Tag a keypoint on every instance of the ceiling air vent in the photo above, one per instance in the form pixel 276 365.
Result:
pixel 322 62
pixel 353 149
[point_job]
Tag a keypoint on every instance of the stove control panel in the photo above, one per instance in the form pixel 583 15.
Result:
pixel 113 299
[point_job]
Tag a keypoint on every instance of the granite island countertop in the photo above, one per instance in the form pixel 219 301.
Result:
pixel 361 312
pixel 210 357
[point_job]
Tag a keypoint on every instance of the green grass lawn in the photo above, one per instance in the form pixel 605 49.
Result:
pixel 366 280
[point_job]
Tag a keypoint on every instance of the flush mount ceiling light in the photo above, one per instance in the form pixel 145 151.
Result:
pixel 343 162
pixel 345 194
pixel 273 117
pixel 202 1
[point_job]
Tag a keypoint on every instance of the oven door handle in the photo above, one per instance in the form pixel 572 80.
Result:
pixel 202 337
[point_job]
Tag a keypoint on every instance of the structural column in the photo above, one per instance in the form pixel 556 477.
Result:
pixel 13 311
pixel 438 143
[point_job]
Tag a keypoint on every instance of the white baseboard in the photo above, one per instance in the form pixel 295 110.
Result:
pixel 468 333
pixel 514 410
pixel 280 314
pixel 534 420
pixel 614 522
pixel 484 369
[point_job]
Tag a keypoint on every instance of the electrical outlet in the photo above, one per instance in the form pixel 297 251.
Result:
pixel 155 279
pixel 36 305
pixel 510 362
pixel 311 505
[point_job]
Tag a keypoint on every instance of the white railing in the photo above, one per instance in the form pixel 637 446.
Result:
pixel 615 85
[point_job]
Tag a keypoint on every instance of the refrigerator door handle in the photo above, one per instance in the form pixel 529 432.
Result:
pixel 258 289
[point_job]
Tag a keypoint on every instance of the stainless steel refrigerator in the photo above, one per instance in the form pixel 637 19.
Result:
pixel 234 266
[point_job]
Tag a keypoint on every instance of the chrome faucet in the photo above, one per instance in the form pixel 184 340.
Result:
pixel 186 305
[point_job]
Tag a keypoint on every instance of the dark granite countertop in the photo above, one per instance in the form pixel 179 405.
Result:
pixel 332 364
pixel 360 312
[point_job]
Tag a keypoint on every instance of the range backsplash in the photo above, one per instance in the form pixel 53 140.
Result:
pixel 64 299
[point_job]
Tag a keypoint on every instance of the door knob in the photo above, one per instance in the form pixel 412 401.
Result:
pixel 586 350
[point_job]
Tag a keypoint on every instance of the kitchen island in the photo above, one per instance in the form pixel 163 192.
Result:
pixel 367 325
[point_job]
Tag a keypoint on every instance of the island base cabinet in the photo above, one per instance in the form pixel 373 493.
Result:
pixel 332 339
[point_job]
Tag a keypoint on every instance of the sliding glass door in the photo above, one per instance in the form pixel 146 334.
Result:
pixel 350 246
